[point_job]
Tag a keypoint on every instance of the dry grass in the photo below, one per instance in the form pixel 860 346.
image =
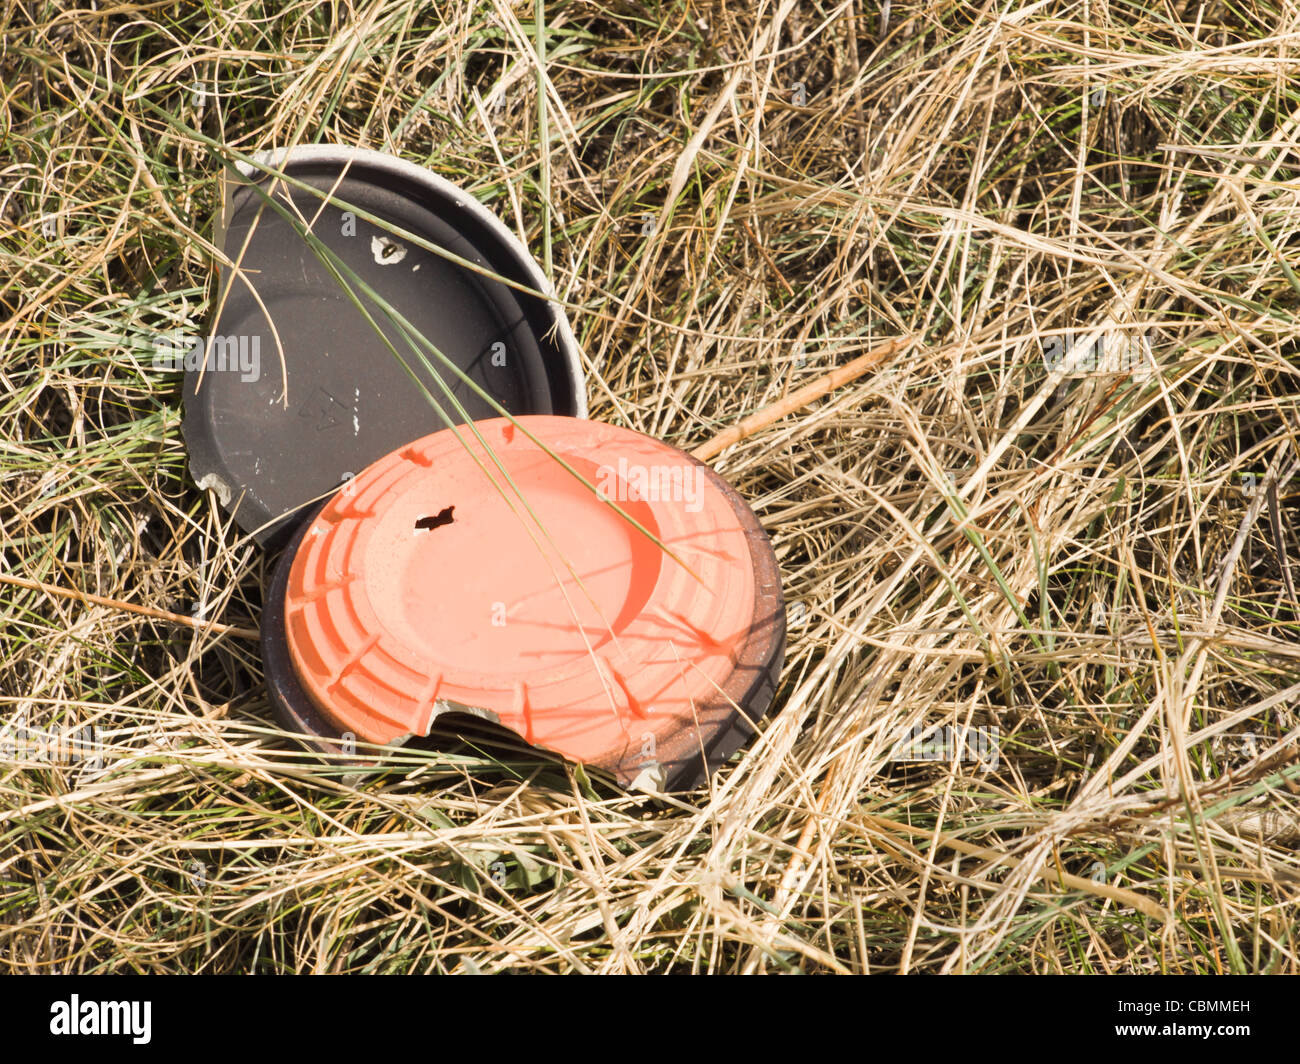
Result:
pixel 1101 565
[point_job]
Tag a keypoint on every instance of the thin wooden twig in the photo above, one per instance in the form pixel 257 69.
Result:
pixel 809 393
pixel 130 607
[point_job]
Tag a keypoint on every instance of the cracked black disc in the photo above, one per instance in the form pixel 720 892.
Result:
pixel 294 389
